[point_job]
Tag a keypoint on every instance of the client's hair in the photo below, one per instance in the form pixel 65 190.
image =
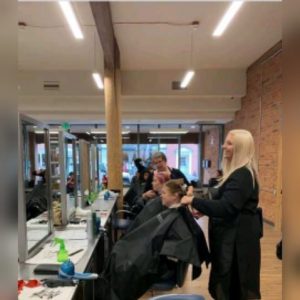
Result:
pixel 175 186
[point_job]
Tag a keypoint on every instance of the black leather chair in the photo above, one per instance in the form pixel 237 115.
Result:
pixel 123 223
pixel 169 283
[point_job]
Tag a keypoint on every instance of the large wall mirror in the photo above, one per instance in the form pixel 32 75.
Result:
pixel 63 176
pixel 34 190
pixel 85 172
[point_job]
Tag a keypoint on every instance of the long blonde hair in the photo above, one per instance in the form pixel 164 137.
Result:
pixel 243 155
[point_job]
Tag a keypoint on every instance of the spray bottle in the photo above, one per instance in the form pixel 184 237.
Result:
pixel 62 254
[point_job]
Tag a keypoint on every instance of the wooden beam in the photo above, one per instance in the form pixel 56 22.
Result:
pixel 112 90
pixel 102 15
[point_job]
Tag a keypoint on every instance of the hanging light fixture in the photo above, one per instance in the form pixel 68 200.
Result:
pixel 96 75
pixel 190 73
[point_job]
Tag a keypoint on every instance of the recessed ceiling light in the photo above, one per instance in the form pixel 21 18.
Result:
pixel 168 131
pixel 228 16
pixel 39 131
pixel 68 11
pixel 103 131
pixel 187 79
pixel 98 81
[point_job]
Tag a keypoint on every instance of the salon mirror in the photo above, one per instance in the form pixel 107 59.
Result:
pixel 34 193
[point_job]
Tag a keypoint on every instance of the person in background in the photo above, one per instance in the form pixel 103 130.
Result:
pixel 157 184
pixel 138 162
pixel 137 183
pixel 36 200
pixel 70 183
pixel 235 222
pixel 38 176
pixel 215 180
pixel 159 163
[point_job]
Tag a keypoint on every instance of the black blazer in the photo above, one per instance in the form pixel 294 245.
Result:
pixel 234 232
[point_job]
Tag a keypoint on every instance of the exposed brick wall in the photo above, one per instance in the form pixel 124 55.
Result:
pixel 211 152
pixel 261 113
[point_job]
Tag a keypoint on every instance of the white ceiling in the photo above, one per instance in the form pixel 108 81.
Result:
pixel 255 29
pixel 48 51
pixel 46 43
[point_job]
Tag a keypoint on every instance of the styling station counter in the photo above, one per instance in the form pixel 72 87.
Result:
pixel 89 255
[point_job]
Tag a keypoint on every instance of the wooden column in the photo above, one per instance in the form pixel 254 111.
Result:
pixel 112 87
pixel 113 126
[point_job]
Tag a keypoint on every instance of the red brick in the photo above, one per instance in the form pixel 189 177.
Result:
pixel 264 91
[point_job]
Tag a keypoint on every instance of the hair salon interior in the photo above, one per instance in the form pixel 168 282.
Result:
pixel 102 84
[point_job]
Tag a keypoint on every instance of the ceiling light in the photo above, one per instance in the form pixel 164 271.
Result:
pixel 98 81
pixel 71 18
pixel 103 131
pixel 187 79
pixel 189 74
pixel 150 138
pixel 39 131
pixel 168 131
pixel 98 131
pixel 230 13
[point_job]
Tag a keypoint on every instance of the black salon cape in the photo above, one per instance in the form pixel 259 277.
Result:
pixel 139 259
pixel 151 209
pixel 235 229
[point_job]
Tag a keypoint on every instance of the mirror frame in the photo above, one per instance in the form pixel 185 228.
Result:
pixel 23 250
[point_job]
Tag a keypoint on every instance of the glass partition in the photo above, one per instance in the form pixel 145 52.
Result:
pixel 85 171
pixel 34 193
pixel 63 175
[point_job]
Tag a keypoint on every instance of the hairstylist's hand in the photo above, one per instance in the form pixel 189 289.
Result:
pixel 189 196
pixel 190 191
pixel 187 200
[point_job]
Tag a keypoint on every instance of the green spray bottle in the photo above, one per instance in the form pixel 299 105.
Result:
pixel 62 254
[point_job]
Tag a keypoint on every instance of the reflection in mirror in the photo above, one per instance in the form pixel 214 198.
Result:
pixel 63 176
pixel 70 174
pixel 77 168
pixel 85 181
pixel 35 183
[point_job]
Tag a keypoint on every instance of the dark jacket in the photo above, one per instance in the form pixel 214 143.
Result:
pixel 36 201
pixel 235 229
pixel 175 174
pixel 140 258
